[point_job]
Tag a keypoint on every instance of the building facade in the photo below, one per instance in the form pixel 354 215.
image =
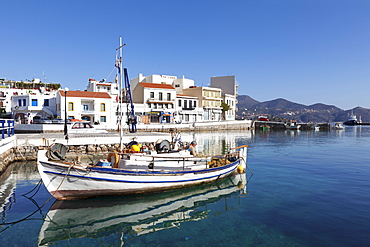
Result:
pixel 209 99
pixel 229 87
pixel 155 102
pixel 95 107
pixel 188 109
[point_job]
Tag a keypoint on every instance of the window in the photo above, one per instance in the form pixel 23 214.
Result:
pixel 160 96
pixel 189 103
pixel 34 102
pixel 70 106
pixel 24 102
pixel 19 102
pixel 103 119
pixel 152 95
pixel 102 107
pixel 194 104
pixel 168 96
pixel 86 107
pixel 185 104
pixel 180 103
pixel 160 105
pixel 46 102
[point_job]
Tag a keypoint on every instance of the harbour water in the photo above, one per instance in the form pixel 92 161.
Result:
pixel 309 188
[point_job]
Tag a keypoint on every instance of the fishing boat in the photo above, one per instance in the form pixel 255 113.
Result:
pixel 338 126
pixel 292 126
pixel 133 172
pixel 352 119
pixel 124 218
pixel 133 169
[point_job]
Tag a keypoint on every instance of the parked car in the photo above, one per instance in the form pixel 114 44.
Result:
pixel 60 121
pixel 42 120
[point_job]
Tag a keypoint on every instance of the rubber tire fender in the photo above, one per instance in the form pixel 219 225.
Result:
pixel 113 158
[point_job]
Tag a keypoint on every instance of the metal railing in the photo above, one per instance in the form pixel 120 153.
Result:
pixel 6 126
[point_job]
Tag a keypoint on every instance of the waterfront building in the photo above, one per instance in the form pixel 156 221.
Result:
pixel 229 87
pixel 102 86
pixel 178 83
pixel 209 99
pixel 27 108
pixel 156 102
pixel 95 107
pixel 10 88
pixel 187 109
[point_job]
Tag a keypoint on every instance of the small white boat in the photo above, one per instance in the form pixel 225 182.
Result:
pixel 338 126
pixel 292 126
pixel 133 173
pixel 316 127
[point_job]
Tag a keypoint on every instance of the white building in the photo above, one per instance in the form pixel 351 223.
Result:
pixel 178 84
pixel 33 105
pixel 9 88
pixel 187 109
pixel 102 86
pixel 96 107
pixel 156 102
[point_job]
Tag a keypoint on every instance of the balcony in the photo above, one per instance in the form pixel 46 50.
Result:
pixel 157 100
pixel 87 111
pixel 188 108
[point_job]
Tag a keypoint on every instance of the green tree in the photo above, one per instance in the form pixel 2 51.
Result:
pixel 225 107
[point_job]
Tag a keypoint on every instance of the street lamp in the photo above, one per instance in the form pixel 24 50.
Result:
pixel 65 113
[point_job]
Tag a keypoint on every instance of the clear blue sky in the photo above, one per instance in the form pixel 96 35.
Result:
pixel 306 51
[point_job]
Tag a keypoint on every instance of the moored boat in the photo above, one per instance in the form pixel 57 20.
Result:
pixel 352 120
pixel 133 172
pixel 338 126
pixel 292 126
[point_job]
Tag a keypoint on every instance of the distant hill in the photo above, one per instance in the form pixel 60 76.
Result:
pixel 244 101
pixel 285 109
pixel 281 103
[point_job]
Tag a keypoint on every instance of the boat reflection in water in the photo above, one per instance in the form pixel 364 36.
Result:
pixel 132 216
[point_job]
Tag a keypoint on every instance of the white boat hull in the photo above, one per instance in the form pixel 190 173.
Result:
pixel 67 181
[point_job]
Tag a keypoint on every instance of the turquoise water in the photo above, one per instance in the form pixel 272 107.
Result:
pixel 308 189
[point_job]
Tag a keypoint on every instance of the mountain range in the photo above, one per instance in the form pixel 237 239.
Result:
pixel 284 109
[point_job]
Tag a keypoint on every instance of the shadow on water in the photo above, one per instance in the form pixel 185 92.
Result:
pixel 125 218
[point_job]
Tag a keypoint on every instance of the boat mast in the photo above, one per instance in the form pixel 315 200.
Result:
pixel 120 87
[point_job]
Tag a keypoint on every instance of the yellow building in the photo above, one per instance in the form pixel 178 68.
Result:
pixel 209 99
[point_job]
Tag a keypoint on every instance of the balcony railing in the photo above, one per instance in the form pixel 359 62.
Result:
pixel 157 100
pixel 87 111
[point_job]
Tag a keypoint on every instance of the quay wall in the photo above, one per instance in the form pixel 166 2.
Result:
pixel 165 127
pixel 29 153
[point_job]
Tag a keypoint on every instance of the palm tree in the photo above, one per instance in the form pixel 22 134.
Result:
pixel 225 107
